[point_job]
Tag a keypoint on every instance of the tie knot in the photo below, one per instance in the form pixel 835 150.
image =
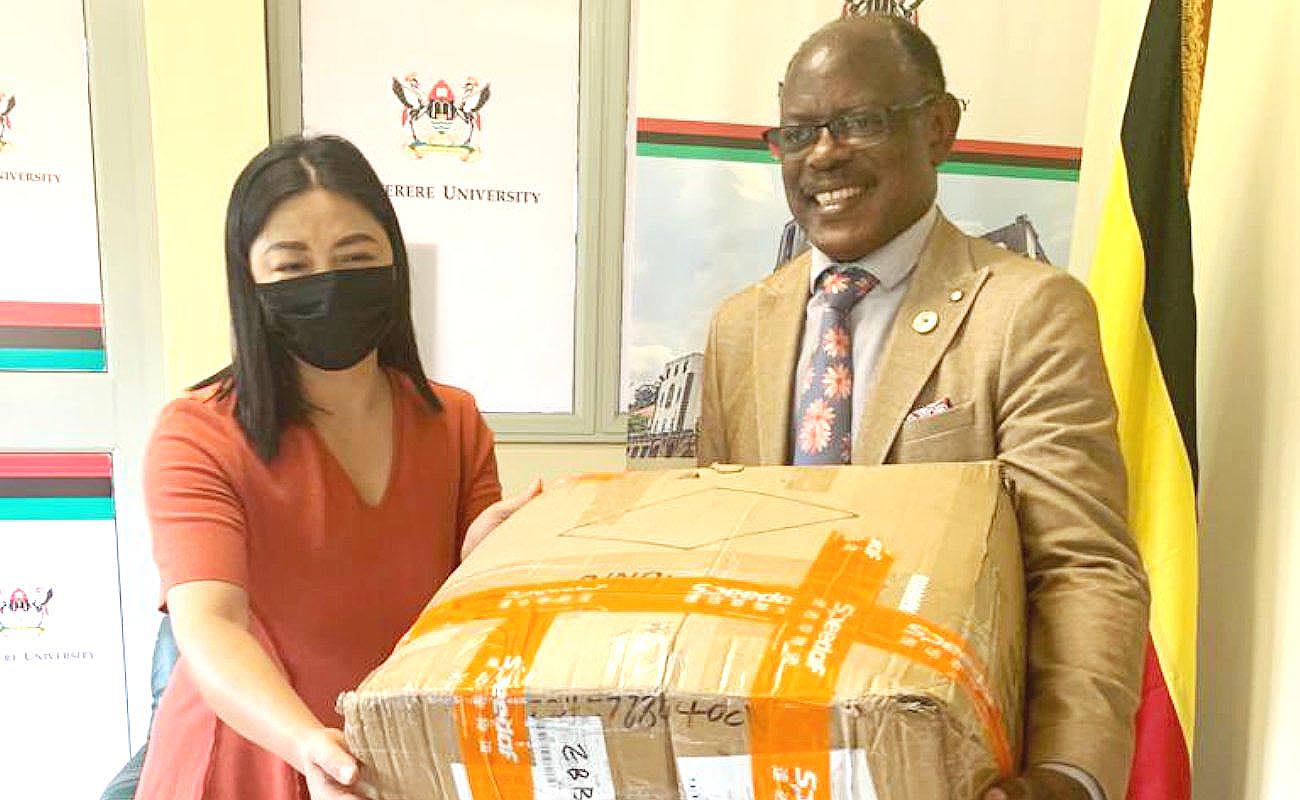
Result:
pixel 842 287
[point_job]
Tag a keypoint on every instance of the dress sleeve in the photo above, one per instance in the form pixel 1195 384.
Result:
pixel 480 486
pixel 195 513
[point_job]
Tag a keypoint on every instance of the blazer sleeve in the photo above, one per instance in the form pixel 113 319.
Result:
pixel 1086 591
pixel 711 446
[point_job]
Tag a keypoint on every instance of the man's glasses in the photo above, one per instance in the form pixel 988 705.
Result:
pixel 862 129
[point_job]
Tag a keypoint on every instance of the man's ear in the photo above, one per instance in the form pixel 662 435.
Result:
pixel 943 121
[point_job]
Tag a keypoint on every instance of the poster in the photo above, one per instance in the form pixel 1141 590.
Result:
pixel 469 114
pixel 51 316
pixel 706 209
pixel 62 677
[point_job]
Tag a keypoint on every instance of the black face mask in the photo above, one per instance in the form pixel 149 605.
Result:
pixel 334 319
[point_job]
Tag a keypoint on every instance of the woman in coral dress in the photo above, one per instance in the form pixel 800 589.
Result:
pixel 306 501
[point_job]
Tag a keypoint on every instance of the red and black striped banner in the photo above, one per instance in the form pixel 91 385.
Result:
pixel 720 141
pixel 52 337
pixel 56 486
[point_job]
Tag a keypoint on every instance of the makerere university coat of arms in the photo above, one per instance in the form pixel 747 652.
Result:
pixel 441 122
pixel 7 104
pixel 19 612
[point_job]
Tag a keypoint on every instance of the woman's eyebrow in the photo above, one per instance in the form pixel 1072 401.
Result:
pixel 287 245
pixel 355 238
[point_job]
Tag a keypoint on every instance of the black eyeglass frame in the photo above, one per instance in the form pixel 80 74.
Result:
pixel 837 127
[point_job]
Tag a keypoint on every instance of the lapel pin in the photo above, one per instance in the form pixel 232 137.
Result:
pixel 957 295
pixel 925 322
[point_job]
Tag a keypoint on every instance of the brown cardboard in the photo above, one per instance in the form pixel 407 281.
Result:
pixel 669 693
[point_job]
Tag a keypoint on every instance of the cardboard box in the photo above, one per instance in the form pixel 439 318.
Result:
pixel 838 633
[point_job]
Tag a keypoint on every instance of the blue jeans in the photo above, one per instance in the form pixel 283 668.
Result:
pixel 123 786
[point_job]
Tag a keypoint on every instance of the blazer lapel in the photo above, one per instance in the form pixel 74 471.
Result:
pixel 946 269
pixel 778 327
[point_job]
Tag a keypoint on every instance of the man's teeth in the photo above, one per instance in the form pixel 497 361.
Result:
pixel 838 196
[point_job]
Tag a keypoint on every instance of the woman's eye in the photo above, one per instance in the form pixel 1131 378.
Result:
pixel 292 266
pixel 357 258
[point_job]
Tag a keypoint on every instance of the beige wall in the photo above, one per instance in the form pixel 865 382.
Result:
pixel 520 463
pixel 1245 207
pixel 207 93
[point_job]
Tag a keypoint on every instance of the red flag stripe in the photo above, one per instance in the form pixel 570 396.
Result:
pixel 56 465
pixel 694 128
pixel 985 147
pixel 1161 767
pixel 51 315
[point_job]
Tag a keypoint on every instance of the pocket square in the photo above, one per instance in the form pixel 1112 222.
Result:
pixel 931 410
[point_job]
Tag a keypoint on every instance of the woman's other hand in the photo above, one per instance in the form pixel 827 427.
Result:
pixel 496 514
pixel 331 770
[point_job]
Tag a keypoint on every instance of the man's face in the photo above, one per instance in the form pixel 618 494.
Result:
pixel 850 201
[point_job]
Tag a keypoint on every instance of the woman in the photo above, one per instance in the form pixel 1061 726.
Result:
pixel 307 500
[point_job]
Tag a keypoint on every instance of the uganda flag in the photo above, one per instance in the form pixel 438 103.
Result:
pixel 1141 278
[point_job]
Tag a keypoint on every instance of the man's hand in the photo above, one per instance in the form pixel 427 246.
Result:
pixel 496 514
pixel 1038 783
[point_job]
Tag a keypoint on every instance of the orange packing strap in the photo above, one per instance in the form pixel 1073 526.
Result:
pixel 922 642
pixel 592 477
pixel 646 594
pixel 796 680
pixel 813 623
pixel 491 716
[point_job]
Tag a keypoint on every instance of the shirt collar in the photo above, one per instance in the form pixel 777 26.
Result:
pixel 890 264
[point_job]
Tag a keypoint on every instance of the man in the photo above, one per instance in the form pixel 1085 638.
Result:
pixel 899 339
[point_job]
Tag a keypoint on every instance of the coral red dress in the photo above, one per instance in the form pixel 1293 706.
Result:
pixel 333 582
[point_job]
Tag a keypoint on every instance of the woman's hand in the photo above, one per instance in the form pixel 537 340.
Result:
pixel 496 514
pixel 249 690
pixel 331 771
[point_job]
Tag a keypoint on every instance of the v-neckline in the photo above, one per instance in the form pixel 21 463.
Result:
pixel 394 460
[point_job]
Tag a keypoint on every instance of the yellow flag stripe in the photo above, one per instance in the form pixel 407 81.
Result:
pixel 1162 497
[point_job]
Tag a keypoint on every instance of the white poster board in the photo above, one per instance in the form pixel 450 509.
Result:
pixel 50 293
pixel 469 114
pixel 62 680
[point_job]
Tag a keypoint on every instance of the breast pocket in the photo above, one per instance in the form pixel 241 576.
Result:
pixel 950 436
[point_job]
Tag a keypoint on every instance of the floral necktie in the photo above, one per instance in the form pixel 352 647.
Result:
pixel 823 409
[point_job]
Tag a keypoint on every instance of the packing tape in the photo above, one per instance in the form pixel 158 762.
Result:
pixel 796 680
pixel 814 624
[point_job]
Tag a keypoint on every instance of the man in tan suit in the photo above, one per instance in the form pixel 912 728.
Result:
pixel 956 350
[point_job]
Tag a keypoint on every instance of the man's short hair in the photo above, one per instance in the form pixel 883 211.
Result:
pixel 916 44
pixel 920 50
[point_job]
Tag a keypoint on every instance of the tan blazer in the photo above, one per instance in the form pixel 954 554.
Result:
pixel 1017 354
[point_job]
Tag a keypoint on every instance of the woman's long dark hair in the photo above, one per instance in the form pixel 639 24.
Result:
pixel 262 377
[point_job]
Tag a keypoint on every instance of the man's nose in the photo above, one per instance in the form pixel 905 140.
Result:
pixel 827 151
